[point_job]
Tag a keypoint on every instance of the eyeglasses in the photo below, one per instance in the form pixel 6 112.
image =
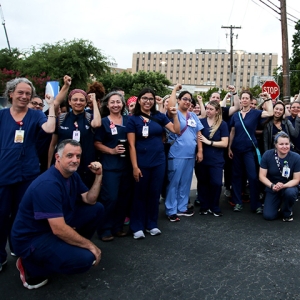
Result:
pixel 145 99
pixel 186 99
pixel 37 104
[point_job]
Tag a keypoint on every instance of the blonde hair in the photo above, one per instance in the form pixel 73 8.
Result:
pixel 218 117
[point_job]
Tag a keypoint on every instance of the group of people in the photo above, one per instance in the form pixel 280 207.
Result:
pixel 86 168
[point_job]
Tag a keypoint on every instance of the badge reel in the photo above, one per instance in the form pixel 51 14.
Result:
pixel 76 135
pixel 286 172
pixel 191 123
pixel 145 132
pixel 113 129
pixel 19 134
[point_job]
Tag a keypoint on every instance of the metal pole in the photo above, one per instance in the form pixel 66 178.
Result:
pixel 285 53
pixel 3 23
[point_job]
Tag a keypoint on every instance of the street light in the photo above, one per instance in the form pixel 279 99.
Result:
pixel 238 82
pixel 163 63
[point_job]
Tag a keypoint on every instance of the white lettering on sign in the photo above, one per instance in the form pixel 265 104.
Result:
pixel 270 90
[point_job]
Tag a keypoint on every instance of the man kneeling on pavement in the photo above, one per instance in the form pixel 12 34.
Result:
pixel 57 217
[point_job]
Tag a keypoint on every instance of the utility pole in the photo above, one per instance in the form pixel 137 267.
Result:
pixel 231 49
pixel 285 53
pixel 3 23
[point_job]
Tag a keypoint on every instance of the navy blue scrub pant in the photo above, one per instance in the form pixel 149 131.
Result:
pixel 51 255
pixel 145 206
pixel 248 160
pixel 283 199
pixel 10 198
pixel 209 186
pixel 115 194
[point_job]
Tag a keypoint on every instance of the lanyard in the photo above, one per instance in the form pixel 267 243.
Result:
pixel 278 162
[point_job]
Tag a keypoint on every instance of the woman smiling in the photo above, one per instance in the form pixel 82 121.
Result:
pixel 280 173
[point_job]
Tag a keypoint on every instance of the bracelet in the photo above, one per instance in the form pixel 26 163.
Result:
pixel 268 99
pixel 234 93
pixel 272 185
pixel 51 116
pixel 211 143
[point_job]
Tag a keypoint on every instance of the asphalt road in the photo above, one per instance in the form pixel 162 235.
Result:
pixel 237 256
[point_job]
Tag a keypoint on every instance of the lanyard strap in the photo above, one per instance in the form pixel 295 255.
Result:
pixel 246 129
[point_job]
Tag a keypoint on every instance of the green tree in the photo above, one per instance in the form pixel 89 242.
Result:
pixel 78 58
pixel 134 83
pixel 295 62
pixel 9 59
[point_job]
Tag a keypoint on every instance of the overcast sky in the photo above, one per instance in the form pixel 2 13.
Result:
pixel 119 28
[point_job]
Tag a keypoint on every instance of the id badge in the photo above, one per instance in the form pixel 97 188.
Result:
pixel 114 130
pixel 145 131
pixel 76 135
pixel 191 123
pixel 286 172
pixel 19 136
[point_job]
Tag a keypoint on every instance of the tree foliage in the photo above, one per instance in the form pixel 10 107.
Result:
pixel 295 62
pixel 77 58
pixel 134 83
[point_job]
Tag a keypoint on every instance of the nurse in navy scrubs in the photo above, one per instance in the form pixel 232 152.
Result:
pixel 116 190
pixel 19 127
pixel 144 133
pixel 209 171
pixel 78 125
pixel 242 152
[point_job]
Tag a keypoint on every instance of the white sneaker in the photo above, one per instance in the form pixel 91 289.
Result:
pixel 154 231
pixel 139 235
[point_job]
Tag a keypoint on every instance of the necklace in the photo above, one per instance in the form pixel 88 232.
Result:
pixel 245 111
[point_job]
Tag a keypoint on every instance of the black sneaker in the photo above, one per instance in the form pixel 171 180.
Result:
pixel 203 212
pixel 188 213
pixel 217 214
pixel 30 283
pixel 288 219
pixel 174 218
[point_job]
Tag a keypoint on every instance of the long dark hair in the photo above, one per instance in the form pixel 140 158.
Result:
pixel 272 118
pixel 137 110
pixel 104 109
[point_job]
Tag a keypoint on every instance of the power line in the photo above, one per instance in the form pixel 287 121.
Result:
pixel 265 9
pixel 274 11
pixel 269 6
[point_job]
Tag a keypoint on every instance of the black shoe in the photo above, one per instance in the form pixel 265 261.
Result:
pixel 188 213
pixel 30 282
pixel 203 211
pixel 174 218
pixel 288 219
pixel 217 214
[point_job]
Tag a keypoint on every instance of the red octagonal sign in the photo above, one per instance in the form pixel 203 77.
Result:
pixel 272 88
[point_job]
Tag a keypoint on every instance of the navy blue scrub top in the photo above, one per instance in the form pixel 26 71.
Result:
pixel 241 142
pixel 19 161
pixel 150 151
pixel 65 131
pixel 49 196
pixel 212 155
pixel 103 135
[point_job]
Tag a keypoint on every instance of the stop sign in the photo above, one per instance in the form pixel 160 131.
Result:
pixel 272 88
